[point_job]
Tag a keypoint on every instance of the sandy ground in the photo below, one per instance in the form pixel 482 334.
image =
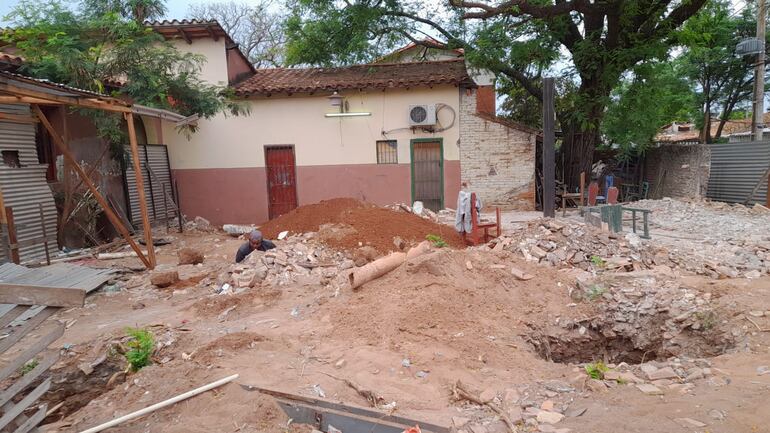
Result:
pixel 450 322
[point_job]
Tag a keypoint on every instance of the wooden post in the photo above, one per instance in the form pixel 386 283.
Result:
pixel 57 139
pixel 582 187
pixel 549 150
pixel 13 242
pixel 45 234
pixel 179 207
pixel 140 189
pixel 165 206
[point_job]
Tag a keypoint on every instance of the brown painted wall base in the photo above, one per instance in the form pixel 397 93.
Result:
pixel 239 195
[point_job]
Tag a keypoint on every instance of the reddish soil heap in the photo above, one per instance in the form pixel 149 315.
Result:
pixel 373 225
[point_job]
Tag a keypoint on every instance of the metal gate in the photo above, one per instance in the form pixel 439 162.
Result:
pixel 158 185
pixel 736 170
pixel 428 173
pixel 281 180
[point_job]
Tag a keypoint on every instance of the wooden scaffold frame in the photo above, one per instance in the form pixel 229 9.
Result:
pixel 15 89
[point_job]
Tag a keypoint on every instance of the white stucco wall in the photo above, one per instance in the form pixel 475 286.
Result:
pixel 235 142
pixel 214 69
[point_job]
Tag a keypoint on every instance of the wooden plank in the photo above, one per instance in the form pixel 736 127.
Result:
pixel 12 235
pixel 28 378
pixel 59 141
pixel 12 314
pixel 19 407
pixel 31 351
pixel 140 190
pixel 78 101
pixel 33 421
pixel 27 294
pixel 29 325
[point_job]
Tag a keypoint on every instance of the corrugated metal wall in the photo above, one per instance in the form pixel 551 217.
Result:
pixel 154 156
pixel 735 170
pixel 25 188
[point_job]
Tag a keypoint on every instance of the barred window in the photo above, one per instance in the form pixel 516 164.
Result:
pixel 387 152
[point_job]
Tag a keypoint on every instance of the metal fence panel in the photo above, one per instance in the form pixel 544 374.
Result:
pixel 157 176
pixel 736 168
pixel 25 187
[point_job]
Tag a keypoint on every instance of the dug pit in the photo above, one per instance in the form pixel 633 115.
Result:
pixel 635 320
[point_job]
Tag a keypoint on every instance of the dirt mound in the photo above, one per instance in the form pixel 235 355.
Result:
pixel 436 303
pixel 217 304
pixel 365 224
pixel 228 344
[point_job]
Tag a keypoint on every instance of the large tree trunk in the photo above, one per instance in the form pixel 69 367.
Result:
pixel 581 134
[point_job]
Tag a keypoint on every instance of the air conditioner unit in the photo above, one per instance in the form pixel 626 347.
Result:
pixel 422 115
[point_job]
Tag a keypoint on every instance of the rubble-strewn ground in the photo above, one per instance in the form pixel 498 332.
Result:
pixel 678 349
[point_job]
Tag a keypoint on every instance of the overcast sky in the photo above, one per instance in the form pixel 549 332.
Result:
pixel 176 8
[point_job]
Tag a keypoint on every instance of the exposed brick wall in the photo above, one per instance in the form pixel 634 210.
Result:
pixel 496 160
pixel 678 171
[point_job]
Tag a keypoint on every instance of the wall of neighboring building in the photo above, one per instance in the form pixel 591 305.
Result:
pixel 497 161
pixel 220 169
pixel 238 68
pixel 678 171
pixel 214 70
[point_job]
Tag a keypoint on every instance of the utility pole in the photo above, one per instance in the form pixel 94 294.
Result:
pixel 549 150
pixel 757 122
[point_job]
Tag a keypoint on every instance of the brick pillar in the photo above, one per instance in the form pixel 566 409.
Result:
pixel 485 99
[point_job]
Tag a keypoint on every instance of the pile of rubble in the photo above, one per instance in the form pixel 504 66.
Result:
pixel 572 243
pixel 295 260
pixel 560 242
pixel 713 238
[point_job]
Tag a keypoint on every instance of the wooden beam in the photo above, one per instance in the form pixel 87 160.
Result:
pixel 57 139
pixel 140 190
pixel 185 36
pixel 28 353
pixel 11 226
pixel 29 325
pixel 28 378
pixel 10 99
pixel 27 401
pixel 68 100
pixel 23 294
pixel 33 421
pixel 212 34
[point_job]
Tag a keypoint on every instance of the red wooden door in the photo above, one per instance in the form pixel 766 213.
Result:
pixel 281 180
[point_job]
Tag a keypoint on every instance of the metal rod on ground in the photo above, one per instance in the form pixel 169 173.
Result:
pixel 549 157
pixel 161 405
pixel 45 234
pixel 757 118
pixel 12 240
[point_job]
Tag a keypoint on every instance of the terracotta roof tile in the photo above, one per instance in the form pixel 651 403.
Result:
pixel 509 123
pixel 379 76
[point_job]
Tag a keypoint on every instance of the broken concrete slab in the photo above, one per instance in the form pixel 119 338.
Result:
pixel 663 373
pixel 649 389
pixel 549 417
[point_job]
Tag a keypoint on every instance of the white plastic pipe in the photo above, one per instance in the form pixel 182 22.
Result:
pixel 160 405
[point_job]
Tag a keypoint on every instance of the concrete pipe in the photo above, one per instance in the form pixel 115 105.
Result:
pixel 383 265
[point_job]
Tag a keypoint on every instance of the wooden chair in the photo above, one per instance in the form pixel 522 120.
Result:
pixel 480 231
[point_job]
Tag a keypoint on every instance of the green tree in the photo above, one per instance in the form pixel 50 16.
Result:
pixel 655 94
pixel 722 79
pixel 592 42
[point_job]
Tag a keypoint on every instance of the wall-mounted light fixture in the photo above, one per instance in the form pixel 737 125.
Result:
pixel 335 100
pixel 358 114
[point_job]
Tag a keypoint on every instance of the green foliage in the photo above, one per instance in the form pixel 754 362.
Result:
pixel 707 319
pixel 436 240
pixel 140 347
pixel 595 292
pixel 596 370
pixel 654 96
pixel 103 43
pixel 720 78
pixel 28 366
pixel 598 261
